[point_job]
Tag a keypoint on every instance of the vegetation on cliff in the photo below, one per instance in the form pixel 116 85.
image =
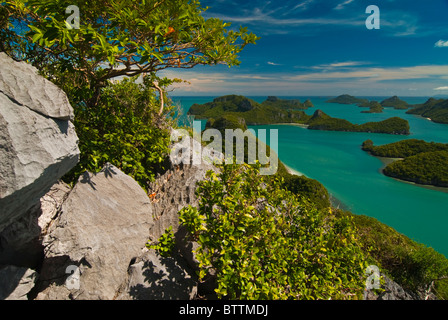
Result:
pixel 262 242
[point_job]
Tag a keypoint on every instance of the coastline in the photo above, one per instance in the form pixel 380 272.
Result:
pixel 386 161
pixel 301 125
pixel 292 171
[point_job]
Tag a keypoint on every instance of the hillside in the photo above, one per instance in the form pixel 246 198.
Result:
pixel 275 110
pixel 271 111
pixel 424 162
pixel 395 102
pixel 435 109
pixel 322 121
pixel 428 168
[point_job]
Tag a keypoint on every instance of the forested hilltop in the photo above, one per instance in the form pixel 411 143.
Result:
pixel 423 162
pixel 275 110
pixel 434 109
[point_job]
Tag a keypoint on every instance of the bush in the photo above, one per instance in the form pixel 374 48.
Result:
pixel 124 130
pixel 262 242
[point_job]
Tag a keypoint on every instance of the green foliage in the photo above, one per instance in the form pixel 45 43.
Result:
pixel 347 99
pixel 435 109
pixel 165 244
pixel 287 104
pixel 252 112
pixel 374 107
pixel 227 121
pixel 412 265
pixel 262 242
pixel 395 102
pixel 322 121
pixel 117 38
pixel 403 148
pixel 123 130
pixel 424 168
pixel 309 189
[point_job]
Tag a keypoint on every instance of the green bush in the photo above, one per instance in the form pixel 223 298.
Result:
pixel 262 242
pixel 123 129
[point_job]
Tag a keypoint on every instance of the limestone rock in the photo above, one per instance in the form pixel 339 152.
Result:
pixel 21 83
pixel 39 143
pixel 16 282
pixel 153 277
pixel 20 242
pixel 102 226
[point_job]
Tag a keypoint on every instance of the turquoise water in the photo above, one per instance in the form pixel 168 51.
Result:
pixel 354 177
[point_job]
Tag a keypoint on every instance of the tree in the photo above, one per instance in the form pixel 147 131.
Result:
pixel 116 38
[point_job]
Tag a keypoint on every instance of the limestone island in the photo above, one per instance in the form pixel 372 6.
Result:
pixel 280 111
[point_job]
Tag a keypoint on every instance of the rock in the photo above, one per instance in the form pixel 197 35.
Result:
pixel 21 83
pixel 20 242
pixel 16 282
pixel 102 226
pixel 153 277
pixel 391 291
pixel 39 143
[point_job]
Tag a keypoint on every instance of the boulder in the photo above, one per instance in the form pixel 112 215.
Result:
pixel 39 143
pixel 103 225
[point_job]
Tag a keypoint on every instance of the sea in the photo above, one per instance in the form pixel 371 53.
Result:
pixel 352 176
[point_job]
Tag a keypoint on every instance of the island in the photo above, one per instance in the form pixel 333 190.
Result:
pixel 435 110
pixel 374 107
pixel 395 102
pixel 347 99
pixel 394 125
pixel 276 111
pixel 271 111
pixel 420 162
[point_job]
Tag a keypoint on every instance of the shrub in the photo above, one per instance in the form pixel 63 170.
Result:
pixel 262 242
pixel 122 129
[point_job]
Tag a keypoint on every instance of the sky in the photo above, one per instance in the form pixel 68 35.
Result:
pixel 323 48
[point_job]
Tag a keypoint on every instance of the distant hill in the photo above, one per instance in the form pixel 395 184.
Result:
pixel 322 121
pixel 374 107
pixel 435 109
pixel 271 111
pixel 395 102
pixel 229 110
pixel 347 99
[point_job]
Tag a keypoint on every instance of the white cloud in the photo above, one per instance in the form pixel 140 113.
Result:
pixel 441 44
pixel 343 4
pixel 273 63
pixel 441 88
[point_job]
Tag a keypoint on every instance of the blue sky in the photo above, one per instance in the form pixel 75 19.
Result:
pixel 323 48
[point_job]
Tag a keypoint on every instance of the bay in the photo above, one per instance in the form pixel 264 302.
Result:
pixel 354 177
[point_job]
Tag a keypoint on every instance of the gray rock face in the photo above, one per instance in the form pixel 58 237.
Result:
pixel 102 226
pixel 153 277
pixel 16 283
pixel 21 83
pixel 38 142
